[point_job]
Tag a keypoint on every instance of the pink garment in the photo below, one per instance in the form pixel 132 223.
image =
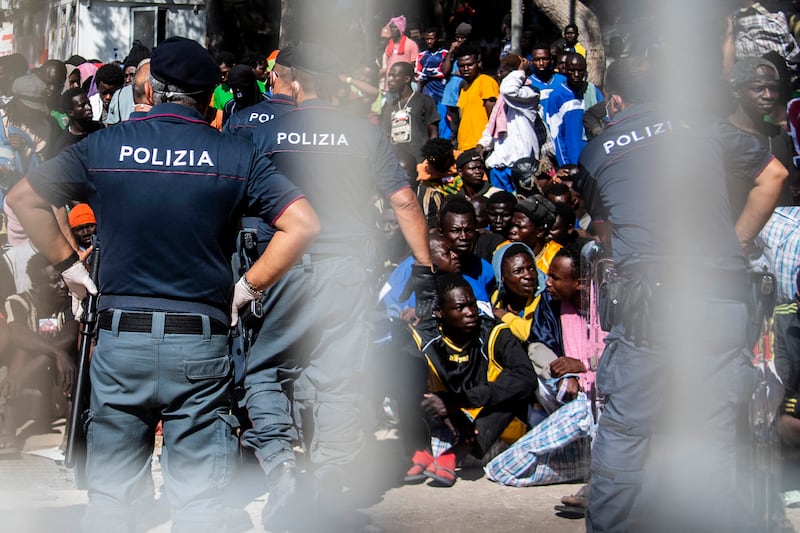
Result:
pixel 87 70
pixel 578 344
pixel 498 121
pixel 409 55
pixel 400 22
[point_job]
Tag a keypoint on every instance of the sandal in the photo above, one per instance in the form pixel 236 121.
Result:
pixel 421 460
pixel 571 511
pixel 443 470
pixel 578 500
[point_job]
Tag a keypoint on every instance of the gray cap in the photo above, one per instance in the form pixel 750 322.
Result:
pixel 744 70
pixel 30 91
pixel 539 210
pixel 312 58
pixel 463 29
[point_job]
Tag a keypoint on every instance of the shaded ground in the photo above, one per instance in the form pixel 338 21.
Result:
pixel 39 495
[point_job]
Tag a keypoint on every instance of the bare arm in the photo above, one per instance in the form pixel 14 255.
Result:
pixel 37 217
pixel 433 131
pixel 412 224
pixel 447 64
pixel 488 104
pixel 297 227
pixel 761 201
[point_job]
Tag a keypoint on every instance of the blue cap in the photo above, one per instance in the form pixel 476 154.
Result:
pixel 311 58
pixel 183 62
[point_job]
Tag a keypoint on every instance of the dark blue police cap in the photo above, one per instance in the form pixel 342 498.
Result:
pixel 311 58
pixel 285 56
pixel 183 62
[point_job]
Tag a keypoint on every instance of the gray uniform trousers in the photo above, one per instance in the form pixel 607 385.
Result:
pixel 141 378
pixel 315 329
pixel 671 450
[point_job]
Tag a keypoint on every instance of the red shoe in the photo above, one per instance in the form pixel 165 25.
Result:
pixel 421 460
pixel 443 470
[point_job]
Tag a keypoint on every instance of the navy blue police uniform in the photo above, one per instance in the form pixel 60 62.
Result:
pixel 666 226
pixel 242 124
pixel 245 121
pixel 316 316
pixel 168 191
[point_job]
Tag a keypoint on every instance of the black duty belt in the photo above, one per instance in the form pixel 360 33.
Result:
pixel 178 324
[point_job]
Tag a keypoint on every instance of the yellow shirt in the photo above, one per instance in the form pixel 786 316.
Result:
pixel 473 111
pixel 545 257
pixel 520 326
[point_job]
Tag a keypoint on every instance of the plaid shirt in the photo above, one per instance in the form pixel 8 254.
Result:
pixel 555 451
pixel 781 237
pixel 758 31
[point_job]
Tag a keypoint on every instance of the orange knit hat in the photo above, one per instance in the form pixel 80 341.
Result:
pixel 81 214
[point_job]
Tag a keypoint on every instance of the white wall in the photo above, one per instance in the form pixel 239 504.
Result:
pixel 108 25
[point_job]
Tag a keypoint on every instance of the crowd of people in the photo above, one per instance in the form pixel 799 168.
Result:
pixel 457 210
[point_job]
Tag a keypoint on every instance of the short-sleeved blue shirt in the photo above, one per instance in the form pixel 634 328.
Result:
pixel 340 162
pixel 662 182
pixel 168 191
pixel 244 121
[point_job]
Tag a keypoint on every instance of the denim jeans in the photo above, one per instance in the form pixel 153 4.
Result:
pixel 138 379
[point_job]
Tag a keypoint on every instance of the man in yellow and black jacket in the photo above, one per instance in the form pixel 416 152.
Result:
pixel 478 385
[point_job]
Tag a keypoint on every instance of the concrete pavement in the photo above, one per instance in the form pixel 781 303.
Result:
pixel 38 495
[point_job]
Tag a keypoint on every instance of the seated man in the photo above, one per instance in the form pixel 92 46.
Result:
pixel 479 383
pixel 518 294
pixel 391 295
pixel 41 335
pixel 437 177
pixel 533 219
pixel 459 226
pixel 562 347
pixel 500 210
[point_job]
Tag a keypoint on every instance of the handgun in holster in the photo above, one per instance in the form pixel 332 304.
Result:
pixel 250 318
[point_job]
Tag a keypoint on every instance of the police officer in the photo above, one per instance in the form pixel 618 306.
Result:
pixel 280 102
pixel 675 371
pixel 316 316
pixel 168 192
pixel 245 121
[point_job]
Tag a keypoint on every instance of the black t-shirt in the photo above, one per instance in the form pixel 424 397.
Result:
pixel 419 112
pixel 742 147
pixel 67 138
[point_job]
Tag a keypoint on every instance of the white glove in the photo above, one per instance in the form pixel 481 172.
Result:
pixel 79 283
pixel 243 294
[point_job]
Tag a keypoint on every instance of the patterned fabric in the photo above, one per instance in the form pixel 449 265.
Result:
pixel 429 69
pixel 758 31
pixel 781 237
pixel 555 451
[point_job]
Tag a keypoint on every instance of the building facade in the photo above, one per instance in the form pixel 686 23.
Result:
pixel 99 29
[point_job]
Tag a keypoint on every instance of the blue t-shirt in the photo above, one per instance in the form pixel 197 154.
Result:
pixel 479 275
